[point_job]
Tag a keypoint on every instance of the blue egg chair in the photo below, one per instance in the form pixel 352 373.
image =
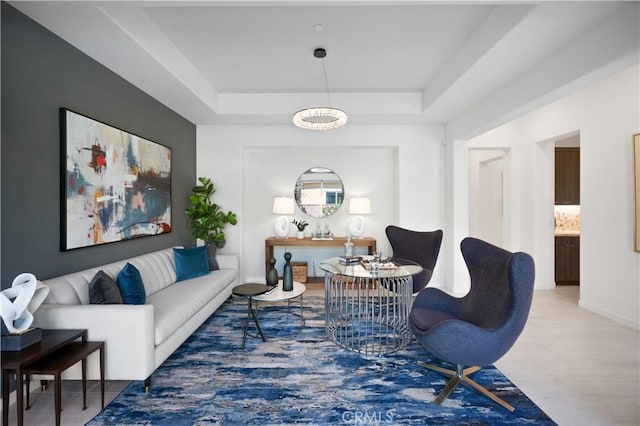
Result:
pixel 421 247
pixel 478 329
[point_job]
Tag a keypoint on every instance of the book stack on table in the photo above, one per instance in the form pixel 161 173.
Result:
pixel 349 260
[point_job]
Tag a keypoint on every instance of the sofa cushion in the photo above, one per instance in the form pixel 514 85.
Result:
pixel 103 290
pixel 157 269
pixel 191 262
pixel 131 286
pixel 177 303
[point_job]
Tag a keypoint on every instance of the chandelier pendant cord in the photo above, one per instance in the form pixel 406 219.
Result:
pixel 326 82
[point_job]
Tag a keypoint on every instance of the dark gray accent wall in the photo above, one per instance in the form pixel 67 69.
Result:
pixel 40 74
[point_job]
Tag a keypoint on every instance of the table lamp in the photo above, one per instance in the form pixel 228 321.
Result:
pixel 358 206
pixel 282 206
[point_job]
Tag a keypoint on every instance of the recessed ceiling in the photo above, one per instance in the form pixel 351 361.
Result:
pixel 380 48
pixel 251 62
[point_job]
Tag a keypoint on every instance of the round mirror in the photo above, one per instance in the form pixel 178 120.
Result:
pixel 319 192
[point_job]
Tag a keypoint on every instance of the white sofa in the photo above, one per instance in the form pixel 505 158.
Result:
pixel 138 338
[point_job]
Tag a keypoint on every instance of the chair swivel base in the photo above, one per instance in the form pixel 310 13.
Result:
pixel 458 376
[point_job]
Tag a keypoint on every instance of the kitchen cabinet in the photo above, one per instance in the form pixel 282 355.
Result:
pixel 567 176
pixel 567 256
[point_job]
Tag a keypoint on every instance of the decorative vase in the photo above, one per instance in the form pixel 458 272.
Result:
pixel 300 235
pixel 348 247
pixel 287 275
pixel 272 274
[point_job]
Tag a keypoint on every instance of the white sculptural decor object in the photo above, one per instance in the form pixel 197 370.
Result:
pixel 18 302
pixel 358 206
pixel 282 206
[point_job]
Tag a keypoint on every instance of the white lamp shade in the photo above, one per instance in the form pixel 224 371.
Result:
pixel 283 205
pixel 359 205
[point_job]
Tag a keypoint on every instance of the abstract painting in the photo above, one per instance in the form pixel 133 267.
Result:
pixel 117 186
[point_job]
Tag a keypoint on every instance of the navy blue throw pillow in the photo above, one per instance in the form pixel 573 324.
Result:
pixel 131 286
pixel 191 262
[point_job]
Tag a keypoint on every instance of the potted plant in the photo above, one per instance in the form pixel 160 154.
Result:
pixel 300 225
pixel 207 220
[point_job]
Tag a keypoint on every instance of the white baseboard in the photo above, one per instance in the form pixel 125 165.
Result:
pixel 610 315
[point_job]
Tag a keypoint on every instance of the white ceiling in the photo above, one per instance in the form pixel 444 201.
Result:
pixel 465 64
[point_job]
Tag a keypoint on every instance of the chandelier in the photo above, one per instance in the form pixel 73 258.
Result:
pixel 320 118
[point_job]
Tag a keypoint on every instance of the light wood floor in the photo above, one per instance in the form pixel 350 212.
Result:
pixel 580 368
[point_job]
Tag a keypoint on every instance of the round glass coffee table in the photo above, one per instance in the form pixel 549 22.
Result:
pixel 279 295
pixel 368 312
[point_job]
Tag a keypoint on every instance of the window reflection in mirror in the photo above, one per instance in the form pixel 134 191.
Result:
pixel 319 192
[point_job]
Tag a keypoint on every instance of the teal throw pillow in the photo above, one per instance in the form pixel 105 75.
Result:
pixel 191 262
pixel 131 287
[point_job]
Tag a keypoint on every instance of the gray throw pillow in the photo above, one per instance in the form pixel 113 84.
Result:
pixel 211 257
pixel 103 290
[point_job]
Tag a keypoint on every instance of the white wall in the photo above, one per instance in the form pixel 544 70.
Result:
pixel 606 115
pixel 360 178
pixel 400 167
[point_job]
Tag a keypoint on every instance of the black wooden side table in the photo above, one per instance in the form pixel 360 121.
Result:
pixel 16 362
pixel 249 290
pixel 55 363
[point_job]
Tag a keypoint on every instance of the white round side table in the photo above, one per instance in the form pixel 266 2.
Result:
pixel 279 295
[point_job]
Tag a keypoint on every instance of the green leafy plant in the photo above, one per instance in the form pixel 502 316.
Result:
pixel 300 224
pixel 207 219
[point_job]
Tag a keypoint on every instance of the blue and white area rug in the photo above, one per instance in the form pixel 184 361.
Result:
pixel 299 377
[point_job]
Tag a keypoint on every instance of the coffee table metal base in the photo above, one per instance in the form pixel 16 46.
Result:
pixel 368 315
pixel 279 295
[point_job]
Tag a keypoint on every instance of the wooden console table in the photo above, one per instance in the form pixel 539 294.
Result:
pixel 271 242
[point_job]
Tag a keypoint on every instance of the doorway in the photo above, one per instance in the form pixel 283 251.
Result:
pixel 567 211
pixel 487 170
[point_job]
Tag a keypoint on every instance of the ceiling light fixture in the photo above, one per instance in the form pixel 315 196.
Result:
pixel 320 118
